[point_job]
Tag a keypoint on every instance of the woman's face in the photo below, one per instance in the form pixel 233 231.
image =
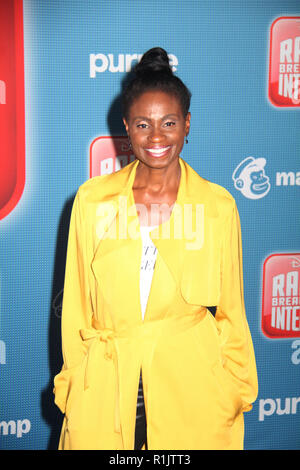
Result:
pixel 157 128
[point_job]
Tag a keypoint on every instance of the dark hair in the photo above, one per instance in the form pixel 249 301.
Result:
pixel 153 72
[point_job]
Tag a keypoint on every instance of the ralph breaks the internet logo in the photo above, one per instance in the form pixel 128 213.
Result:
pixel 12 108
pixel 109 154
pixel 284 62
pixel 281 296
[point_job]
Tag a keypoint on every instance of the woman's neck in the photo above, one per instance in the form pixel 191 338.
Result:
pixel 158 180
pixel 155 192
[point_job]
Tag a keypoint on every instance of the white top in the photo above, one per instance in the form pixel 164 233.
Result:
pixel 147 266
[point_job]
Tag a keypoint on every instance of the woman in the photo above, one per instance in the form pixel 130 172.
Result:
pixel 137 330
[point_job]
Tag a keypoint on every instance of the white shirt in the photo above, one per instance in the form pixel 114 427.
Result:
pixel 147 266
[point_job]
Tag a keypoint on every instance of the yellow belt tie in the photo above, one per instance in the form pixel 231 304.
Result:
pixel 106 335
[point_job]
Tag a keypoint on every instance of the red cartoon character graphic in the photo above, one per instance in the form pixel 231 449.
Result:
pixel 12 109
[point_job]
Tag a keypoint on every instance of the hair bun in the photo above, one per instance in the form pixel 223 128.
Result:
pixel 155 60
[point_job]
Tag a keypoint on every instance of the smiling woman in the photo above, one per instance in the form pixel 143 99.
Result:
pixel 157 120
pixel 146 363
pixel 156 128
pixel 159 133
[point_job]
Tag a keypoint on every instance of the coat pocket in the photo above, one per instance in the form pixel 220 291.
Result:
pixel 207 339
pixel 228 390
pixel 207 334
pixel 221 371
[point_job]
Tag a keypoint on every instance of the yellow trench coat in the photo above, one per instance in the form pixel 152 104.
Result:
pixel 199 371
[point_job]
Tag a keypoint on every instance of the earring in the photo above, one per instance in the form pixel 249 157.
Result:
pixel 186 140
pixel 129 143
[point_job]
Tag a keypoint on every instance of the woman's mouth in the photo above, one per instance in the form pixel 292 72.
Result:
pixel 158 152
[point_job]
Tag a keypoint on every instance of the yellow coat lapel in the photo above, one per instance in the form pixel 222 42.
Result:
pixel 185 243
pixel 117 257
pixel 192 252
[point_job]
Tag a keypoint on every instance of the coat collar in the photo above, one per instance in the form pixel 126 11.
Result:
pixel 195 189
pixel 192 188
pixel 174 251
pixel 117 207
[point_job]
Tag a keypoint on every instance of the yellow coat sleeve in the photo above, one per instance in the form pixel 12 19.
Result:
pixel 236 342
pixel 76 307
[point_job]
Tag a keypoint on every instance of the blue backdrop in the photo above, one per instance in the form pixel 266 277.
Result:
pixel 74 52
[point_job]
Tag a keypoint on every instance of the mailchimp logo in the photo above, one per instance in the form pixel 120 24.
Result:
pixel 17 428
pixel 249 177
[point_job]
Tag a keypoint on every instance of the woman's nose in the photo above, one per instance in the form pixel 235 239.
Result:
pixel 156 135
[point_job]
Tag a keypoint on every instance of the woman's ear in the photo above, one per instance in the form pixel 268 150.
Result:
pixel 125 124
pixel 187 123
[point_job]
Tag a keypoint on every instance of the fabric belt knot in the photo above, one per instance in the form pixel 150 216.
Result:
pixel 106 335
pixel 96 335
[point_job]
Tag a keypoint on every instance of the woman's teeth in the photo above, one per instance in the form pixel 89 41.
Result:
pixel 158 152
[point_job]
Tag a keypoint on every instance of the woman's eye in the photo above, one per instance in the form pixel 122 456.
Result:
pixel 170 124
pixel 142 126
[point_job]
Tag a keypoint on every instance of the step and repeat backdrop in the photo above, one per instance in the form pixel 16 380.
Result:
pixel 62 65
